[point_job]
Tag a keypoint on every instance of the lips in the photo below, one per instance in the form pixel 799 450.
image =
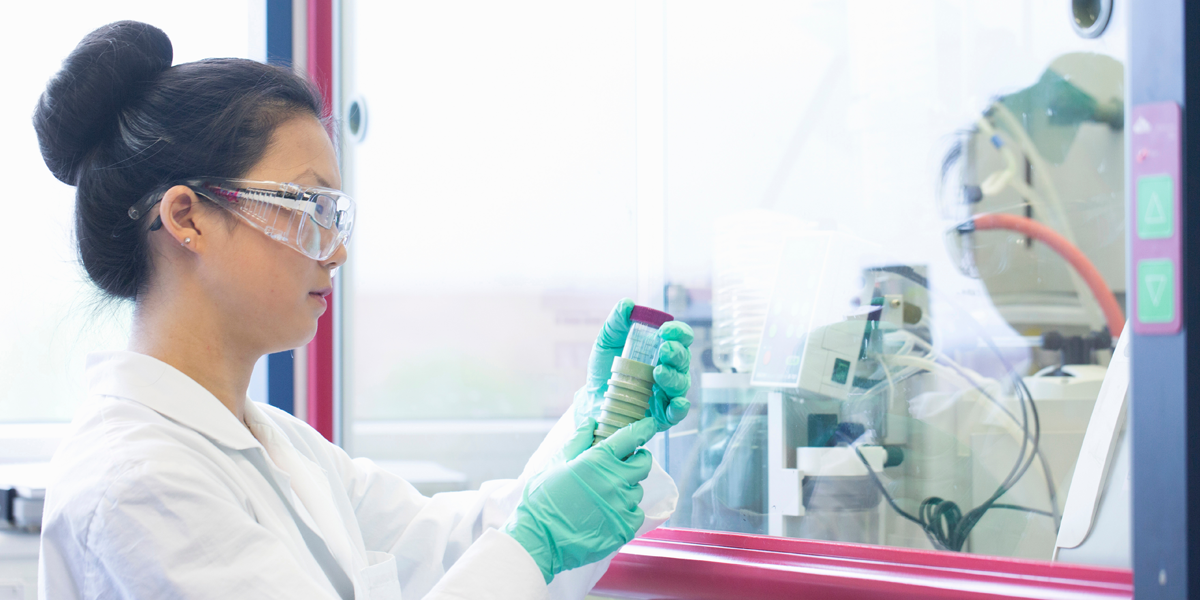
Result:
pixel 319 296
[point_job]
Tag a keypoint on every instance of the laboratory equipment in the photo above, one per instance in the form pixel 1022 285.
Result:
pixel 747 248
pixel 817 321
pixel 1051 153
pixel 1095 524
pixel 22 495
pixel 830 447
pixel 732 466
pixel 979 379
pixel 629 390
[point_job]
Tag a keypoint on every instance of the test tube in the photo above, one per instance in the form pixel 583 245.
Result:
pixel 629 389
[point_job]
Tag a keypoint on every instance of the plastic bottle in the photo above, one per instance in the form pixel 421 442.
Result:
pixel 628 397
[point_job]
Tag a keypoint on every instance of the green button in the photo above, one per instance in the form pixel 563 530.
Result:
pixel 841 370
pixel 1155 207
pixel 1156 291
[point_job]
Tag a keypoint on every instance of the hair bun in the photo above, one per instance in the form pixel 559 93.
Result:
pixel 81 104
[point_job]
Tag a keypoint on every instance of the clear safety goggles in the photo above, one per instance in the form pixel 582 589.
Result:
pixel 312 220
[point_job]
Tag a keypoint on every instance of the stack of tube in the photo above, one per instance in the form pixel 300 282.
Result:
pixel 629 390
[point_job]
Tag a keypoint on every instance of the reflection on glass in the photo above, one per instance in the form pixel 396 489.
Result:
pixel 496 203
pixel 906 258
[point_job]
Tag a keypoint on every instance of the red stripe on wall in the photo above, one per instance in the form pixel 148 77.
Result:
pixel 320 349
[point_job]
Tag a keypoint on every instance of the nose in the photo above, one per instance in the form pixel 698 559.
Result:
pixel 337 259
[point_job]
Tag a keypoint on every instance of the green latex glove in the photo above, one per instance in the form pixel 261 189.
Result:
pixel 671 377
pixel 576 513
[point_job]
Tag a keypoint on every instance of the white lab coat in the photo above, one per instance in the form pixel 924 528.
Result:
pixel 160 492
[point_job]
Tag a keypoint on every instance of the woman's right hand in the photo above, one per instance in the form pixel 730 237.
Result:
pixel 585 507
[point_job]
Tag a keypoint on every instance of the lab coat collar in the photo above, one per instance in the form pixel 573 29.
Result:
pixel 169 392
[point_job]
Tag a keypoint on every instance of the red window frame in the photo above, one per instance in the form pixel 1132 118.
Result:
pixel 687 564
pixel 670 564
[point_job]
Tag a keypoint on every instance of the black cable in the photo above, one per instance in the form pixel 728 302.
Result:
pixel 1019 384
pixel 942 520
pixel 1044 513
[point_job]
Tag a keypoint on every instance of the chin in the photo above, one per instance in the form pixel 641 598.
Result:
pixel 298 337
pixel 309 334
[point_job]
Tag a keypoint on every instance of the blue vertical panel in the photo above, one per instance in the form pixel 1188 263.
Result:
pixel 279 32
pixel 1166 368
pixel 281 365
pixel 281 382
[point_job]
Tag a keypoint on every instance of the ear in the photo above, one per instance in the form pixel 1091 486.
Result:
pixel 181 218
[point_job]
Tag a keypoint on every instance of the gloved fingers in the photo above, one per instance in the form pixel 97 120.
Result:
pixel 659 405
pixel 677 410
pixel 634 521
pixel 634 497
pixel 609 343
pixel 637 467
pixel 616 327
pixel 675 355
pixel 582 440
pixel 671 381
pixel 677 331
pixel 667 411
pixel 629 438
pixel 585 405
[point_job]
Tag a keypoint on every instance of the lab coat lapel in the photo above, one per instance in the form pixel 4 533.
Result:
pixel 176 396
pixel 310 484
pixel 167 391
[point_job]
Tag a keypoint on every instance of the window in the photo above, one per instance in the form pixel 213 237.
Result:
pixel 866 210
pixel 846 188
pixel 496 185
pixel 51 317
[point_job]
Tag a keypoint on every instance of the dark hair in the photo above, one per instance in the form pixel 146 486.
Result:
pixel 118 121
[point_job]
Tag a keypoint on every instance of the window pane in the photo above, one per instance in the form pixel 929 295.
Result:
pixel 51 317
pixel 866 343
pixel 496 193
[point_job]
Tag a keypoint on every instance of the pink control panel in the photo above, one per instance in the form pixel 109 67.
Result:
pixel 1155 296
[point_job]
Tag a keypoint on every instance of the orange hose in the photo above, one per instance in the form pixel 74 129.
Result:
pixel 1069 252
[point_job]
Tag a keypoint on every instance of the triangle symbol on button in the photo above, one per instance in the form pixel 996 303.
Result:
pixel 1155 285
pixel 1142 126
pixel 1154 210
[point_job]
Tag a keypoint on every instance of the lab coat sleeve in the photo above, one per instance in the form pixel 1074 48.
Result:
pixel 494 567
pixel 427 535
pixel 419 530
pixel 447 547
pixel 167 532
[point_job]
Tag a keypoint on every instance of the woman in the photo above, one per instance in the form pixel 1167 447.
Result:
pixel 172 484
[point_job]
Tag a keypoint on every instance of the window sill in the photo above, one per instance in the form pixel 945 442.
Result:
pixel 30 442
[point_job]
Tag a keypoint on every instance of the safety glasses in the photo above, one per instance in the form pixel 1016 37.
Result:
pixel 312 220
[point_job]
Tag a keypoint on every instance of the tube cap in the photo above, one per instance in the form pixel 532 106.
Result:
pixel 649 316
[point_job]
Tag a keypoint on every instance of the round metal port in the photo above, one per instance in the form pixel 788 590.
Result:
pixel 1090 17
pixel 356 119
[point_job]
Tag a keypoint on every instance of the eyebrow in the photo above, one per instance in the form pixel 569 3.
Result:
pixel 320 180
